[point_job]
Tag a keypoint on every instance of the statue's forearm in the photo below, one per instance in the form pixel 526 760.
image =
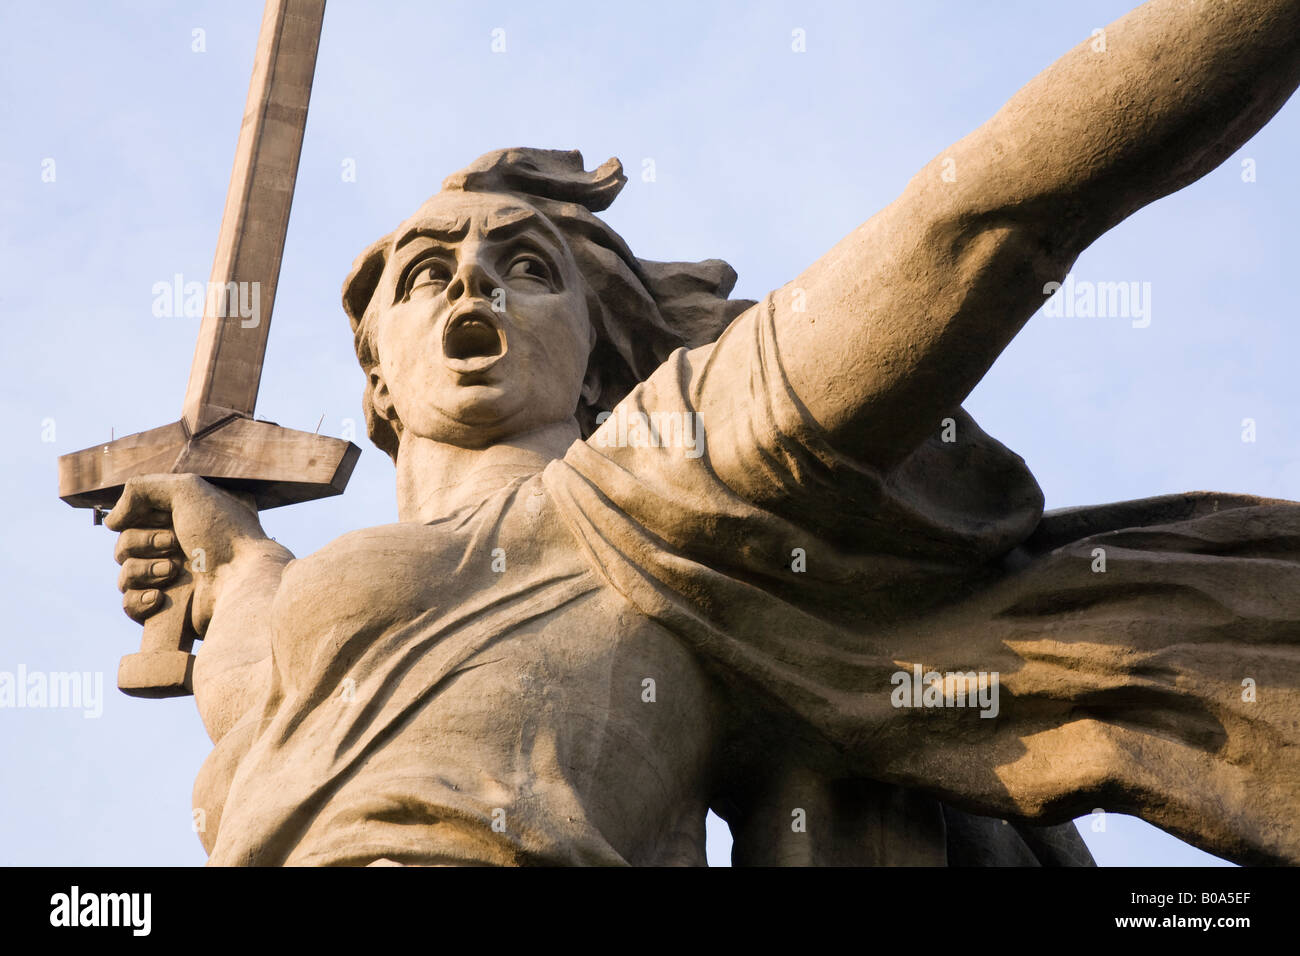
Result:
pixel 890 330
pixel 1155 101
pixel 233 663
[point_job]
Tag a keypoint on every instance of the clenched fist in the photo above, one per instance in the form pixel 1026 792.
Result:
pixel 163 521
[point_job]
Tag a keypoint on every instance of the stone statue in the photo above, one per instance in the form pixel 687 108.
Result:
pixel 662 551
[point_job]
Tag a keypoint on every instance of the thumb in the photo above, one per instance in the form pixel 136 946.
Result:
pixel 146 501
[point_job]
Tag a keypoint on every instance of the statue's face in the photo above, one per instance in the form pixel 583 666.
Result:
pixel 482 330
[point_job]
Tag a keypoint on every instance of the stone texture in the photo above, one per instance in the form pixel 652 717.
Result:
pixel 583 634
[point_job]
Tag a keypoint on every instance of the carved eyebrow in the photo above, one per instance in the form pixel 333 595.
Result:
pixel 503 225
pixel 500 226
pixel 443 232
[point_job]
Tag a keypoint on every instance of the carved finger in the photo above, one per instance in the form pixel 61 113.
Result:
pixel 145 543
pixel 138 517
pixel 145 503
pixel 143 573
pixel 138 605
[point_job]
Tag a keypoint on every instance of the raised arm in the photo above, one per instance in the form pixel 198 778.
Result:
pixel 891 329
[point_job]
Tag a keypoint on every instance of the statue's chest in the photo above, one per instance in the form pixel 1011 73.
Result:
pixel 374 583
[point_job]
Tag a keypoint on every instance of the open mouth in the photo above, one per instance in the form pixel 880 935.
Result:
pixel 473 342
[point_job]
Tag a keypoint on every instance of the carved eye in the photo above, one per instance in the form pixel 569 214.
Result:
pixel 529 267
pixel 431 274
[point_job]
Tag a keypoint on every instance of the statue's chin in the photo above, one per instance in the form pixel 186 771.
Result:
pixel 476 407
pixel 475 424
pixel 477 415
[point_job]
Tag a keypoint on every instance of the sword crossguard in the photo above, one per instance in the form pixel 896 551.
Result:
pixel 267 465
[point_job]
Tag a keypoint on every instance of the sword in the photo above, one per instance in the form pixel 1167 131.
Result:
pixel 216 436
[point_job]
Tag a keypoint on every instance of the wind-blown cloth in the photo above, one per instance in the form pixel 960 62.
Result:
pixel 1147 653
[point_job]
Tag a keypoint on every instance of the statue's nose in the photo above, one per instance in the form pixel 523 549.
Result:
pixel 472 280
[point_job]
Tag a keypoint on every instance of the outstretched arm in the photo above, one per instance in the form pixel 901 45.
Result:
pixel 901 319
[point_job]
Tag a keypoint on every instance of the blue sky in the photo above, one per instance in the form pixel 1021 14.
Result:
pixel 762 156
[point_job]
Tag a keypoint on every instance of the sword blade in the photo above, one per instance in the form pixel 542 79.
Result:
pixel 227 365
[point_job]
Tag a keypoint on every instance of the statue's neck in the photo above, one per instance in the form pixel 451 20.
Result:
pixel 435 479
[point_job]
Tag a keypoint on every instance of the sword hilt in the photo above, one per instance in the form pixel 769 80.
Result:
pixel 164 665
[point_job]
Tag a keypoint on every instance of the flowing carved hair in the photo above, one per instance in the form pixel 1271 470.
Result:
pixel 641 310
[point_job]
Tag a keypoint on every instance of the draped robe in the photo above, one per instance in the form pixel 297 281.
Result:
pixel 1144 652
